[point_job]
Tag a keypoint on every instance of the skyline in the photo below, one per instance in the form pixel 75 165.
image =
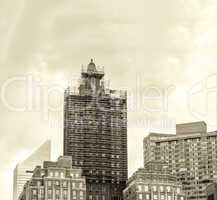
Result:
pixel 165 44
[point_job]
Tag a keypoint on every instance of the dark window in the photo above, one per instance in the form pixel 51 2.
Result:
pixel 211 197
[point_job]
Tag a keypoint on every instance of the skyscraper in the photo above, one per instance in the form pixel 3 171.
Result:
pixel 22 171
pixel 191 155
pixel 95 134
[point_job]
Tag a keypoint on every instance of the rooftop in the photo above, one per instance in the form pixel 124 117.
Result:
pixel 183 131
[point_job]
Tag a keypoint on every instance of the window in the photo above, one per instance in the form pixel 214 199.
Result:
pixel 56 174
pixel 64 183
pixel 139 188
pixel 42 192
pixel 74 195
pixel 161 188
pixel 168 189
pixel 34 192
pixel 65 193
pixel 154 188
pixel 146 188
pixel 155 197
pixel 57 194
pixel 49 193
pixel 178 190
pixel 38 183
pixel 49 183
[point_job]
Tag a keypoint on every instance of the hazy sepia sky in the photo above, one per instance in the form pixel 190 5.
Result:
pixel 163 49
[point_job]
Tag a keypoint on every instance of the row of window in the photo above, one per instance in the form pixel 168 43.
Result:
pixel 159 197
pixel 62 174
pixel 65 184
pixel 155 188
pixel 75 194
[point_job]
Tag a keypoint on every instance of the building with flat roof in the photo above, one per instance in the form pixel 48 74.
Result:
pixel 95 134
pixel 153 182
pixel 191 155
pixel 23 170
pixel 55 181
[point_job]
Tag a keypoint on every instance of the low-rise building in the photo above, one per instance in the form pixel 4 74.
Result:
pixel 153 182
pixel 55 181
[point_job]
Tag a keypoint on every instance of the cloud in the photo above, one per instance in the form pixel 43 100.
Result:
pixel 160 43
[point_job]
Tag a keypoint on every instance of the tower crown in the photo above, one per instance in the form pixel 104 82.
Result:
pixel 91 80
pixel 91 67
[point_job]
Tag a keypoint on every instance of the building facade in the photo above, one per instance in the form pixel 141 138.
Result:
pixel 22 172
pixel 153 182
pixel 55 181
pixel 95 134
pixel 191 155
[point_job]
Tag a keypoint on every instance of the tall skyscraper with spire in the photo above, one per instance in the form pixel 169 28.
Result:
pixel 95 134
pixel 22 172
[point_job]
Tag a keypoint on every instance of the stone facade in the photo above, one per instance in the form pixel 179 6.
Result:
pixel 153 182
pixel 55 181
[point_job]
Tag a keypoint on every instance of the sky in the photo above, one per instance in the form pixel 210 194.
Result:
pixel 162 52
